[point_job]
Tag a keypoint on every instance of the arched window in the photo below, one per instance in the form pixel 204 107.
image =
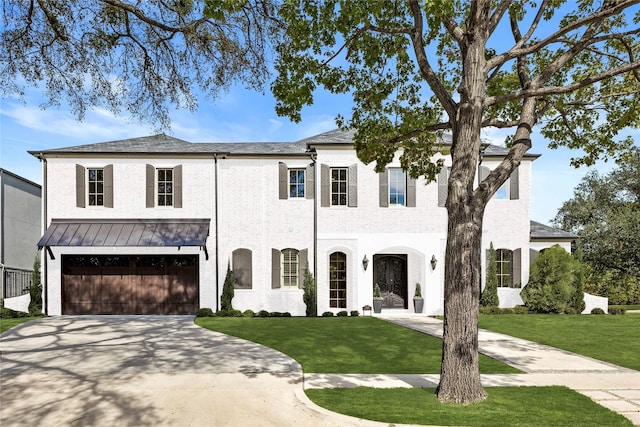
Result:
pixel 242 271
pixel 338 280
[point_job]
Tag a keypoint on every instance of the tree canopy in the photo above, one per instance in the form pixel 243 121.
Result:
pixel 605 212
pixel 133 57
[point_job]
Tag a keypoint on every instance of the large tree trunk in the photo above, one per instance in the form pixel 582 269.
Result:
pixel 460 374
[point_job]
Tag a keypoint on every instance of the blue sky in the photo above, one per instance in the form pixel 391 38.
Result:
pixel 236 116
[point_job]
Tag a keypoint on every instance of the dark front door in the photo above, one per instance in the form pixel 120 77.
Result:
pixel 390 273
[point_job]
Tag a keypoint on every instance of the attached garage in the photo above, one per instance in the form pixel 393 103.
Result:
pixel 129 284
pixel 96 277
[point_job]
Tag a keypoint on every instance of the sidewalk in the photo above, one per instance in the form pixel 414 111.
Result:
pixel 613 387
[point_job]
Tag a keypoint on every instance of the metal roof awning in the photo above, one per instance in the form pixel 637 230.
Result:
pixel 138 232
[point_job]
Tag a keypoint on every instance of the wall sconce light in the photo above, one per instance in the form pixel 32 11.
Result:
pixel 434 262
pixel 365 262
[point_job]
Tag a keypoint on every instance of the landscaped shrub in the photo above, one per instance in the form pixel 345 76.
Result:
pixel 490 293
pixel 263 313
pixel 520 309
pixel 286 314
pixel 35 290
pixel 275 314
pixel 7 313
pixel 229 313
pixel 343 313
pixel 552 282
pixel 248 313
pixel 227 290
pixel 204 312
pixel 327 314
pixel 597 310
pixel 617 310
pixel 309 294
pixel 355 313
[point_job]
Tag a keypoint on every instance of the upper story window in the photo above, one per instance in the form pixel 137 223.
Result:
pixel 510 190
pixel 94 186
pixel 397 188
pixel 296 183
pixel 164 186
pixel 339 186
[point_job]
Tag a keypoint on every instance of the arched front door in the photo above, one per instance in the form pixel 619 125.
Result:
pixel 390 273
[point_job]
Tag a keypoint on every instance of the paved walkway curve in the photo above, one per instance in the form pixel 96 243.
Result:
pixel 148 371
pixel 612 386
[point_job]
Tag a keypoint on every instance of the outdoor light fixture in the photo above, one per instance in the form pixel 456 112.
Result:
pixel 434 262
pixel 365 262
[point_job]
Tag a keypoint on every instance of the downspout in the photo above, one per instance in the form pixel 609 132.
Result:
pixel 315 226
pixel 215 226
pixel 44 276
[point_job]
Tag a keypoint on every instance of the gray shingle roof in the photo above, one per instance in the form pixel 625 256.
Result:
pixel 541 231
pixel 164 144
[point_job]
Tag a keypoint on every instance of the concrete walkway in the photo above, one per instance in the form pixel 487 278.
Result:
pixel 148 371
pixel 614 387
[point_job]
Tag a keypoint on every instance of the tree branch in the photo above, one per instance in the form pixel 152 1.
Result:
pixel 429 75
pixel 558 90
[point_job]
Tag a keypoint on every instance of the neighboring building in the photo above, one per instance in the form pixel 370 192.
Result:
pixel 20 226
pixel 149 225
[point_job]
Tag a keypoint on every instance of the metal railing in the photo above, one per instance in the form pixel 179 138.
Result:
pixel 16 282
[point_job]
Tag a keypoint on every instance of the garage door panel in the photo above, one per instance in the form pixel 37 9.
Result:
pixel 130 285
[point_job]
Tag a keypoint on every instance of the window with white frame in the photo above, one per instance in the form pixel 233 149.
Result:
pixel 289 268
pixel 95 181
pixel 296 183
pixel 504 259
pixel 397 187
pixel 339 186
pixel 165 187
pixel 338 280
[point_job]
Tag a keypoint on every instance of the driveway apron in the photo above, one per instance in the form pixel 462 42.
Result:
pixel 147 371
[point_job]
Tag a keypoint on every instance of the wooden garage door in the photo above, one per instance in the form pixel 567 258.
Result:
pixel 130 284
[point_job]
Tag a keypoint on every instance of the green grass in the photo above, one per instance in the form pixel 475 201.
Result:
pixel 613 339
pixel 505 406
pixel 6 324
pixel 358 345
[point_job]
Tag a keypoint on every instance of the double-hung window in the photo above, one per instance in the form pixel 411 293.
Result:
pixel 397 190
pixel 289 269
pixel 339 186
pixel 296 183
pixel 164 186
pixel 96 186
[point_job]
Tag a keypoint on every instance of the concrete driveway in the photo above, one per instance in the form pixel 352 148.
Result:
pixel 148 371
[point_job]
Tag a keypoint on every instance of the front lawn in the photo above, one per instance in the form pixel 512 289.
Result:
pixel 6 324
pixel 358 345
pixel 613 339
pixel 505 406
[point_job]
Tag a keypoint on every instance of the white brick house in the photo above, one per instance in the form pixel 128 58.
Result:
pixel 149 225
